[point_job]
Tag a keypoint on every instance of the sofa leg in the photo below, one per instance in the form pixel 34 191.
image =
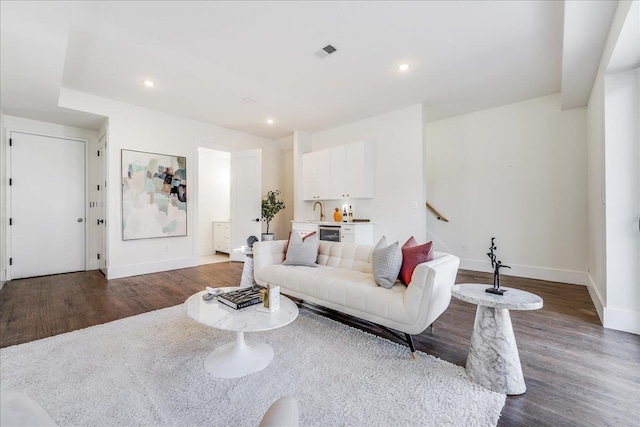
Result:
pixel 411 346
pixel 432 327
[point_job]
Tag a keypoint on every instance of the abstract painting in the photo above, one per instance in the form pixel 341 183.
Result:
pixel 154 195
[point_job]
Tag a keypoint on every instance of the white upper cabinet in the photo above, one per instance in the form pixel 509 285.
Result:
pixel 342 172
pixel 338 174
pixel 358 181
pixel 316 168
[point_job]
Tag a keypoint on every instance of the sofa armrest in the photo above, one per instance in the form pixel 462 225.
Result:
pixel 268 253
pixel 429 293
pixel 283 412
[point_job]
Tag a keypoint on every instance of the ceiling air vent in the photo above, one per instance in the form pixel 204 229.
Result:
pixel 326 51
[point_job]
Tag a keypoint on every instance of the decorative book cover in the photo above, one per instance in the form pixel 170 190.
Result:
pixel 241 298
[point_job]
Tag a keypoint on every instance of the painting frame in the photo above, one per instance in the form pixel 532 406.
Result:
pixel 153 195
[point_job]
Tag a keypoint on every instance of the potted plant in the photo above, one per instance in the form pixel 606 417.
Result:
pixel 271 205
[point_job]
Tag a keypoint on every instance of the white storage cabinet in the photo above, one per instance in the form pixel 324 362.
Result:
pixel 359 233
pixel 341 172
pixel 222 236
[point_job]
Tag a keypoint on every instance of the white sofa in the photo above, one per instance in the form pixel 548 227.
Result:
pixel 343 281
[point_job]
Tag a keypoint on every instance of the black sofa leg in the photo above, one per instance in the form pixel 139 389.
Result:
pixel 411 346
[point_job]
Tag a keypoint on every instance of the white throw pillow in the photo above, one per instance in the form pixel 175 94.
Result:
pixel 302 251
pixel 386 261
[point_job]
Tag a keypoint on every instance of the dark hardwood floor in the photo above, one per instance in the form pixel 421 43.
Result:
pixel 577 372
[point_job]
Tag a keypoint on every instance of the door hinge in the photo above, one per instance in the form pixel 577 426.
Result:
pixel 98 153
pixel 10 261
pixel 10 221
pixel 98 256
pixel 10 142
pixel 10 181
pixel 98 187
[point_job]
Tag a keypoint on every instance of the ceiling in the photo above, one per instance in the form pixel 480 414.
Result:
pixel 207 58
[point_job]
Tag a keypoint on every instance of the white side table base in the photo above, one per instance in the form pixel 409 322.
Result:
pixel 247 272
pixel 237 359
pixel 493 359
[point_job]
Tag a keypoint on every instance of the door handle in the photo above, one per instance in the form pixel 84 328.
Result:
pixel 80 219
pixel 257 220
pixel 100 221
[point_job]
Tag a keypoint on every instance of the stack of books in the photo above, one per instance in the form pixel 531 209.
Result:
pixel 241 298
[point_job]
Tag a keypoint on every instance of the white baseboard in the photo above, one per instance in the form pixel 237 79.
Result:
pixel 541 273
pixel 205 251
pixel 613 318
pixel 596 298
pixel 150 267
pixel 2 282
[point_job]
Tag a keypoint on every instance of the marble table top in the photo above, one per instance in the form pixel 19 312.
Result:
pixel 219 316
pixel 513 299
pixel 246 250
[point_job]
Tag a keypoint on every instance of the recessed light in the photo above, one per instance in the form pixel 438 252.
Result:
pixel 149 83
pixel 270 121
pixel 248 100
pixel 404 67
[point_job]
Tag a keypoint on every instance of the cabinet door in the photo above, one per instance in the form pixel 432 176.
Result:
pixel 323 174
pixel 316 169
pixel 338 173
pixel 304 228
pixel 309 173
pixel 359 170
pixel 346 234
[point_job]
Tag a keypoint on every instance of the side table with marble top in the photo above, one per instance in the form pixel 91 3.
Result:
pixel 493 360
pixel 247 269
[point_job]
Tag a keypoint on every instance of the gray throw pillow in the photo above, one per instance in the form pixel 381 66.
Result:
pixel 386 261
pixel 302 251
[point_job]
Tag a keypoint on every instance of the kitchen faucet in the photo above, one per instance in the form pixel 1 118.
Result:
pixel 314 209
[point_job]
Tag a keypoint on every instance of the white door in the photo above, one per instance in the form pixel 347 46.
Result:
pixel 47 205
pixel 246 198
pixel 102 205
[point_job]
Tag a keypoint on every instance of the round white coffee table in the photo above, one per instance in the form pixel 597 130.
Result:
pixel 493 359
pixel 237 359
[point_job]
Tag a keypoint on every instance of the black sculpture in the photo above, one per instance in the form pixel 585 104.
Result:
pixel 496 265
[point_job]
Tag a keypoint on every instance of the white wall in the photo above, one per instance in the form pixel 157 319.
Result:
pixel 3 213
pixel 622 166
pixel 13 123
pixel 517 173
pixel 617 302
pixel 214 194
pixel 282 222
pixel 596 230
pixel 398 144
pixel 137 128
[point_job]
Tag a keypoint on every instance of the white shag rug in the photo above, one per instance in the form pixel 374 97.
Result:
pixel 147 370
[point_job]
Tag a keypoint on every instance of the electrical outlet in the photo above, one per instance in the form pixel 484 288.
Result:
pixel 464 247
pixel 414 205
pixel 166 248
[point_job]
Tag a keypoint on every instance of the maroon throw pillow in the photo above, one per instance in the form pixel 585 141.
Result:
pixel 412 255
pixel 286 246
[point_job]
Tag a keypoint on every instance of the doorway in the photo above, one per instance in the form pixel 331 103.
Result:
pixel 214 205
pixel 47 205
pixel 232 185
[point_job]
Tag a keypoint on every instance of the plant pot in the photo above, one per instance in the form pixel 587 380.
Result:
pixel 268 236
